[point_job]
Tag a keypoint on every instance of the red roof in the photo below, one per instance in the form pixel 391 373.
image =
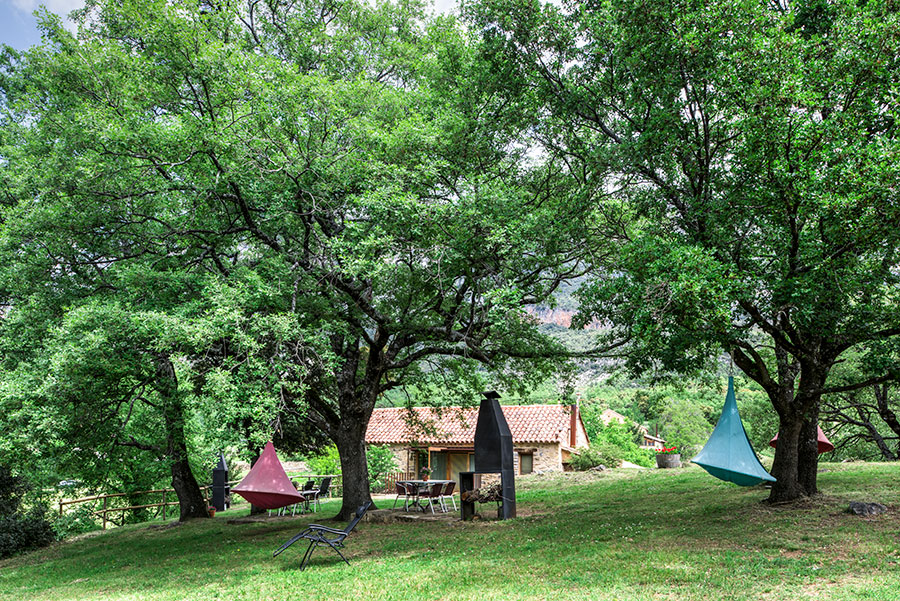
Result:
pixel 456 425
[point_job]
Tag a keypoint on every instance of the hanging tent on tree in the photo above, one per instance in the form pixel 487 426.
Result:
pixel 267 485
pixel 824 445
pixel 728 455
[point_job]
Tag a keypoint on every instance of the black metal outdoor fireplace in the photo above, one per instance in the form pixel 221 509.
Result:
pixel 220 488
pixel 493 454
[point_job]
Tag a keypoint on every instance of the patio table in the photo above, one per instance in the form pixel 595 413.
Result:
pixel 420 485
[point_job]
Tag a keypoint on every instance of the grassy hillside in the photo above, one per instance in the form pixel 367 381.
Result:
pixel 650 535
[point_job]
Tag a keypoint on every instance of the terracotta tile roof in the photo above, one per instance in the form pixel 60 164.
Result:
pixel 456 425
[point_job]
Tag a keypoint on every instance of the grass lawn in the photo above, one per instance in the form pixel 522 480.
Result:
pixel 620 535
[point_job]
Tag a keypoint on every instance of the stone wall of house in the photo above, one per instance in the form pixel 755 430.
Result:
pixel 402 455
pixel 547 456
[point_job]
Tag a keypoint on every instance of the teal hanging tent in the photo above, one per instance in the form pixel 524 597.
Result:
pixel 728 455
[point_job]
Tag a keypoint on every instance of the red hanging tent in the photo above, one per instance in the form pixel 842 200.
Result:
pixel 825 445
pixel 267 485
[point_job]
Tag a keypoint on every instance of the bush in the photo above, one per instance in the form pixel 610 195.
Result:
pixel 621 437
pixel 381 461
pixel 602 453
pixel 328 462
pixel 20 530
pixel 79 521
pixel 24 532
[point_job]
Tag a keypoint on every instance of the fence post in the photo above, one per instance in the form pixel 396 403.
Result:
pixel 105 498
pixel 60 508
pixel 165 513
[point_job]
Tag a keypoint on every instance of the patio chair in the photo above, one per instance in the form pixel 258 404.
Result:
pixel 309 491
pixel 410 494
pixel 400 489
pixel 282 511
pixel 432 492
pixel 321 491
pixel 448 494
pixel 318 536
pixel 302 506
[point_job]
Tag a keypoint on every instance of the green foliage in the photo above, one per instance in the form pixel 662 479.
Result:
pixel 684 425
pixel 381 461
pixel 299 205
pixel 327 462
pixel 21 529
pixel 619 440
pixel 743 162
pixel 76 521
pixel 601 453
pixel 590 416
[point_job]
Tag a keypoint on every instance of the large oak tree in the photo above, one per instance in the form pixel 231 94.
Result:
pixel 746 154
pixel 349 171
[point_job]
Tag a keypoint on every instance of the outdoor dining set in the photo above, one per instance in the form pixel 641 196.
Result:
pixel 424 494
pixel 311 494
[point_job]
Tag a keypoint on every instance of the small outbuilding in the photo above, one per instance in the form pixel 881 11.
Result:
pixel 648 441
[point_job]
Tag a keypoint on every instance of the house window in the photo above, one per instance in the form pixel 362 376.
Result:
pixel 526 463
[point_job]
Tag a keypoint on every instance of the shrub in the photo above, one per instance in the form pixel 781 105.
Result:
pixel 381 461
pixel 79 521
pixel 328 462
pixel 602 453
pixel 622 438
pixel 20 530
pixel 23 532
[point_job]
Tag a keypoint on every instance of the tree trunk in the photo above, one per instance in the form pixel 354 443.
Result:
pixel 808 467
pixel 796 457
pixel 191 502
pixel 351 445
pixel 890 418
pixel 786 467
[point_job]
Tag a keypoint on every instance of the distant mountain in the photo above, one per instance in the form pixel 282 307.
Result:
pixel 558 316
pixel 557 322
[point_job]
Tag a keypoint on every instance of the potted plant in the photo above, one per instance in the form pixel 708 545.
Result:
pixel 668 457
pixel 212 511
pixel 425 472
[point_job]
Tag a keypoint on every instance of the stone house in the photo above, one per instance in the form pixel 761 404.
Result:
pixel 544 437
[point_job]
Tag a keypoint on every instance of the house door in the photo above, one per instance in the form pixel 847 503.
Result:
pixel 438 465
pixel 460 462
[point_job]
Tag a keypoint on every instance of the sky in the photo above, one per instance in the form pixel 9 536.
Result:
pixel 18 27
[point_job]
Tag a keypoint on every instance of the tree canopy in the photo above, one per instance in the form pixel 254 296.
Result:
pixel 297 204
pixel 743 155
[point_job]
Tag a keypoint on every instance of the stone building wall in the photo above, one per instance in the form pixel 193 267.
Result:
pixel 547 457
pixel 402 455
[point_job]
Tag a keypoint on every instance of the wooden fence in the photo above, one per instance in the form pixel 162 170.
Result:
pixel 390 481
pixel 103 513
pixel 166 494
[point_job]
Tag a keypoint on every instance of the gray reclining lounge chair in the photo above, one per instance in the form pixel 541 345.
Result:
pixel 322 536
